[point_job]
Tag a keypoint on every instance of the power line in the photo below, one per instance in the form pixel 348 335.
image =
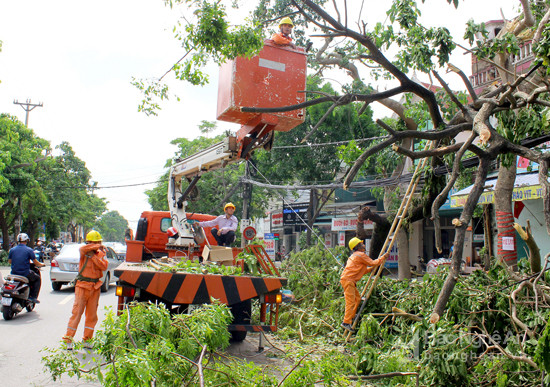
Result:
pixel 109 186
pixel 330 143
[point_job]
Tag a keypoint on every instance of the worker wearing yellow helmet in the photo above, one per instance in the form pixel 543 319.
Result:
pixel 226 226
pixel 91 266
pixel 282 37
pixel 358 264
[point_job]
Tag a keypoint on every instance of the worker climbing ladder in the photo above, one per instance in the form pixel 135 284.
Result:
pixel 388 244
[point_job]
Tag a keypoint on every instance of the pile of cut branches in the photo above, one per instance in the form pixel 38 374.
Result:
pixel 495 329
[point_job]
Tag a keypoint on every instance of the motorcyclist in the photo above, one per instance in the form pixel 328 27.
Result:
pixel 40 249
pixel 20 258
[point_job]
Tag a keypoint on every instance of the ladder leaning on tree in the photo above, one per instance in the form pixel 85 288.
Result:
pixel 390 239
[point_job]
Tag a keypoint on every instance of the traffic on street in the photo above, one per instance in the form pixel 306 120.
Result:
pixel 25 336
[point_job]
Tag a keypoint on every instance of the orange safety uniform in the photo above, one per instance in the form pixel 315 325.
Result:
pixel 86 294
pixel 281 39
pixel 357 266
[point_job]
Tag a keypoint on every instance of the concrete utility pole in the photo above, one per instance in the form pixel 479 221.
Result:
pixel 27 106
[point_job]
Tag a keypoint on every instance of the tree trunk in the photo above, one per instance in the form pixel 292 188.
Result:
pixel 504 215
pixel 534 251
pixel 5 231
pixel 488 236
pixel 404 264
pixel 311 214
pixel 381 229
pixel 461 226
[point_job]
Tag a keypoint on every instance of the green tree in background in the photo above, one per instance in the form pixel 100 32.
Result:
pixel 49 193
pixel 112 226
pixel 20 151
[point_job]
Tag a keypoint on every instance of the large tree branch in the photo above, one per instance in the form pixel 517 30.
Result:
pixel 379 58
pixel 346 98
pixel 438 202
pixel 461 226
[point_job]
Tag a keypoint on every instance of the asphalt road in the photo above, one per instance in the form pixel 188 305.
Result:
pixel 23 337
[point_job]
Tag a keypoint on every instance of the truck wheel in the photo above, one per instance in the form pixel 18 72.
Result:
pixel 105 285
pixel 56 286
pixel 241 315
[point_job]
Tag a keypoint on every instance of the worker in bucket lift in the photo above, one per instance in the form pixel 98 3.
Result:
pixel 86 294
pixel 282 38
pixel 227 226
pixel 358 264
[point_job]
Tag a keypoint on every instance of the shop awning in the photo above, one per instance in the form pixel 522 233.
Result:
pixel 526 187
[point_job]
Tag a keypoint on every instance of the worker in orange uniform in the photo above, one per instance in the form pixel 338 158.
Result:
pixel 357 266
pixel 88 282
pixel 282 37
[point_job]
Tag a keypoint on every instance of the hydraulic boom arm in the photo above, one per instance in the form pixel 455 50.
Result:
pixel 189 170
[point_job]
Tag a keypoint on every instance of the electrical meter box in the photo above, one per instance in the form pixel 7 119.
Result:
pixel 276 77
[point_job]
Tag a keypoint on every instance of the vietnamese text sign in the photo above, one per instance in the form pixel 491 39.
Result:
pixel 277 220
pixel 349 224
pixel 269 244
pixel 519 194
pixel 508 243
pixel 341 238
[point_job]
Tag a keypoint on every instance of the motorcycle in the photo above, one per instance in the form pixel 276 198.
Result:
pixel 15 295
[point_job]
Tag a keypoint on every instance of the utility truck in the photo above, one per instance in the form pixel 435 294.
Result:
pixel 156 267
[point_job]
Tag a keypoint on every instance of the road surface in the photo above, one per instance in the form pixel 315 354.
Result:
pixel 23 337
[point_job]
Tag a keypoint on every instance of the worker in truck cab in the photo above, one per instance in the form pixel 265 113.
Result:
pixel 91 266
pixel 282 37
pixel 227 226
pixel 358 264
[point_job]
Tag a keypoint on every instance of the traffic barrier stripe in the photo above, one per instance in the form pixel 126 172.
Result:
pixel 182 288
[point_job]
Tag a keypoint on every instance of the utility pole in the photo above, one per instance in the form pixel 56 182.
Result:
pixel 27 106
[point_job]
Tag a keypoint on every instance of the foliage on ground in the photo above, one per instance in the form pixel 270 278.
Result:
pixel 146 345
pixel 485 337
pixel 494 332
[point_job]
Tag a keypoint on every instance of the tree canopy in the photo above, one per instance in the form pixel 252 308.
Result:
pixel 393 49
pixel 49 190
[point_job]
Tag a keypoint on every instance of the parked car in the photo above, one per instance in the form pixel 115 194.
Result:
pixel 64 267
pixel 119 248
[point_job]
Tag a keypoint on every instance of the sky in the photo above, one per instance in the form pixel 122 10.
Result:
pixel 77 58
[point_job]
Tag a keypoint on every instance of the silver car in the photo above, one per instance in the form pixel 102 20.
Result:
pixel 119 248
pixel 64 267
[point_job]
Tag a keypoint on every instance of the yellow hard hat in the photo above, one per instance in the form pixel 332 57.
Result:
pixel 354 242
pixel 93 236
pixel 286 20
pixel 228 205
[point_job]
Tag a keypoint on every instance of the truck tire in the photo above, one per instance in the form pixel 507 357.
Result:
pixel 241 315
pixel 141 230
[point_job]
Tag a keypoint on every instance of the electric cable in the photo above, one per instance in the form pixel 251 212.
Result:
pixel 299 217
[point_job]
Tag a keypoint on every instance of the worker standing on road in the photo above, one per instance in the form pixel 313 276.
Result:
pixel 227 226
pixel 357 266
pixel 282 37
pixel 20 258
pixel 86 294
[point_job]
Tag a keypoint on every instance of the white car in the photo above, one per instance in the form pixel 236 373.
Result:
pixel 64 267
pixel 118 247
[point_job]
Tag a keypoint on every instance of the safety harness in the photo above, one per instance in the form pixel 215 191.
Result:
pixel 80 277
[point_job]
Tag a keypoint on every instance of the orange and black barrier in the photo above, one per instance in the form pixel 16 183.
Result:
pixel 183 288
